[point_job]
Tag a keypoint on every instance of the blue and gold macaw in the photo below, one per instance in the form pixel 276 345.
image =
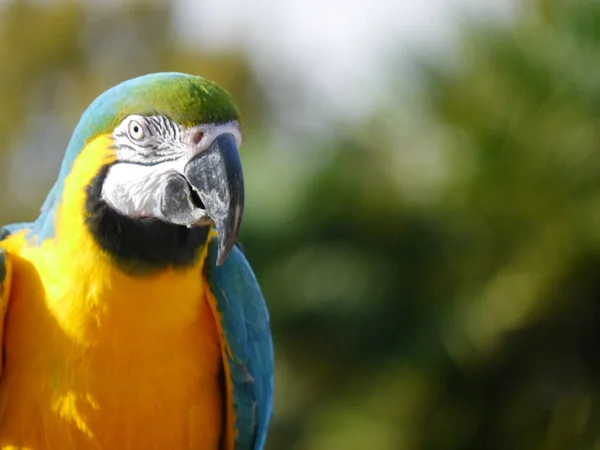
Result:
pixel 129 319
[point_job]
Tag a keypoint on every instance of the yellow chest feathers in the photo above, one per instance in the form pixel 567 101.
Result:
pixel 98 359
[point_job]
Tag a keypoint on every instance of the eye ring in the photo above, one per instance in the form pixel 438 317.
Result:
pixel 136 130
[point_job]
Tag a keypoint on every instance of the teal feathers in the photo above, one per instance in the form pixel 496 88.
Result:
pixel 246 327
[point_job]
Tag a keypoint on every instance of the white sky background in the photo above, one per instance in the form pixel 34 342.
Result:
pixel 335 48
pixel 329 55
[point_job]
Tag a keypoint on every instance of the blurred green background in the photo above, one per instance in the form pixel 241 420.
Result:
pixel 423 213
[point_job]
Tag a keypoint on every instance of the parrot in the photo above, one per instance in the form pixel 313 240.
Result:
pixel 130 317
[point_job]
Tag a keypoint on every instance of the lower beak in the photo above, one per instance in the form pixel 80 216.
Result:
pixel 216 176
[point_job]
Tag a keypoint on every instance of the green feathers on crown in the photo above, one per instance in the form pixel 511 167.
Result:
pixel 186 99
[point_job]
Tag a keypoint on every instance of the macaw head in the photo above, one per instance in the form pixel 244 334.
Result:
pixel 152 163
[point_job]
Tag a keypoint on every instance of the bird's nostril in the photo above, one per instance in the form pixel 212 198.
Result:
pixel 198 137
pixel 196 200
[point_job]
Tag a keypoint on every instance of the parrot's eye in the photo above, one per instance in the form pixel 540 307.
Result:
pixel 136 130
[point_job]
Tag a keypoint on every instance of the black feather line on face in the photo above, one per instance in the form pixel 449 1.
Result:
pixel 160 143
pixel 140 244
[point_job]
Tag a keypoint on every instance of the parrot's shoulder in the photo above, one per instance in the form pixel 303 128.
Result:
pixel 4 265
pixel 7 230
pixel 11 240
pixel 5 278
pixel 5 282
pixel 246 328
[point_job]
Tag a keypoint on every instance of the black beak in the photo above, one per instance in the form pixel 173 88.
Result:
pixel 216 176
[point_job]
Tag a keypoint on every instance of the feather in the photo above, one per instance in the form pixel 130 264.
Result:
pixel 245 323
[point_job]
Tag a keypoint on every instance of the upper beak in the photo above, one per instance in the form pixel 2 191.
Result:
pixel 216 176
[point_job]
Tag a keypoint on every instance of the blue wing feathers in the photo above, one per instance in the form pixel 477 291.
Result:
pixel 247 331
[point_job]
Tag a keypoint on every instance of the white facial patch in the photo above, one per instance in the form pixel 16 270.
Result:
pixel 135 190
